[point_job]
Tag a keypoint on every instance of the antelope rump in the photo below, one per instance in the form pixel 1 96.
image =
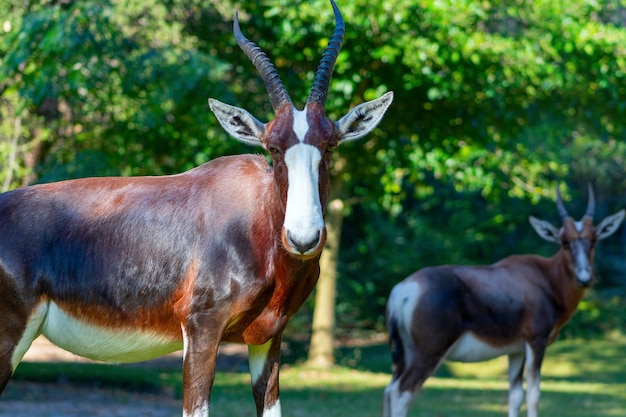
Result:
pixel 128 269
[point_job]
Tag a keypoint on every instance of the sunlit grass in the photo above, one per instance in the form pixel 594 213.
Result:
pixel 580 379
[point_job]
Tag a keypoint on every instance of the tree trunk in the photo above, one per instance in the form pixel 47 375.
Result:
pixel 321 351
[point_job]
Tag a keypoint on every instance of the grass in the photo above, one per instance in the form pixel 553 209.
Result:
pixel 580 378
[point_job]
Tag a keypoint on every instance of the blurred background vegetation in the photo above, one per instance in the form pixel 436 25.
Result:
pixel 496 102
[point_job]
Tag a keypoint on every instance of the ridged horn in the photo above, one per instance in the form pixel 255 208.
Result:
pixel 325 69
pixel 559 203
pixel 275 88
pixel 591 203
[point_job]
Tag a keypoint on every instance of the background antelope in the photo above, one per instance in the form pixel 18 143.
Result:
pixel 128 269
pixel 514 307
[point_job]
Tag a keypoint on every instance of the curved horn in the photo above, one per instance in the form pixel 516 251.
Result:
pixel 591 204
pixel 327 64
pixel 559 203
pixel 275 88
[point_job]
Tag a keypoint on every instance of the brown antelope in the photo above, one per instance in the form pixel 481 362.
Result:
pixel 514 307
pixel 128 269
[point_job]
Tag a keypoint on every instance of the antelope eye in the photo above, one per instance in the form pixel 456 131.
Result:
pixel 331 147
pixel 274 150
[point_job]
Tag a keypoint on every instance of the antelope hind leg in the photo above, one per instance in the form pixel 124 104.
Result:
pixel 18 329
pixel 516 388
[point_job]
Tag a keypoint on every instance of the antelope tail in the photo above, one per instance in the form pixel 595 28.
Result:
pixel 396 346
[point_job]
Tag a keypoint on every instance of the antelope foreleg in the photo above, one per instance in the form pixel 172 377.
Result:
pixel 534 358
pixel 199 358
pixel 264 363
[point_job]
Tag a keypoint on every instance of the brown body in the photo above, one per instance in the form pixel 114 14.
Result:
pixel 514 307
pixel 146 259
pixel 128 269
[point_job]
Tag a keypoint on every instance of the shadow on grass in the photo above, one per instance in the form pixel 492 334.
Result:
pixel 135 379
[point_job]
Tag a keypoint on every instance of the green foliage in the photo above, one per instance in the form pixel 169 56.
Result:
pixel 494 93
pixel 116 77
pixel 495 103
pixel 598 315
pixel 21 134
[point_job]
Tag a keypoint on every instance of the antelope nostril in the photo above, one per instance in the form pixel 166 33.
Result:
pixel 301 245
pixel 584 276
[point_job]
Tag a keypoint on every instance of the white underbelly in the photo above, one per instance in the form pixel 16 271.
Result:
pixel 469 348
pixel 102 343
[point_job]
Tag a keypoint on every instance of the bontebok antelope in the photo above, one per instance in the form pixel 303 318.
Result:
pixel 128 269
pixel 514 307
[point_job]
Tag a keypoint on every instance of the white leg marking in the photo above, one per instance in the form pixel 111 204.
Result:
pixel 273 411
pixel 387 402
pixel 396 403
pixel 33 329
pixel 257 356
pixel 303 215
pixel 516 389
pixel 532 384
pixel 202 412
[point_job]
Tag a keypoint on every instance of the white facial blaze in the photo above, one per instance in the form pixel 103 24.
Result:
pixel 300 124
pixel 303 218
pixel 582 268
pixel 579 225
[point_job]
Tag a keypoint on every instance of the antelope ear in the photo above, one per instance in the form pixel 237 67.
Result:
pixel 238 123
pixel 363 118
pixel 545 230
pixel 610 224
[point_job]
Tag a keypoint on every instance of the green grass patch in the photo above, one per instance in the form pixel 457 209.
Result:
pixel 580 378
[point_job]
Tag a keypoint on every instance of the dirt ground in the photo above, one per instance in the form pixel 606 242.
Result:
pixel 27 399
